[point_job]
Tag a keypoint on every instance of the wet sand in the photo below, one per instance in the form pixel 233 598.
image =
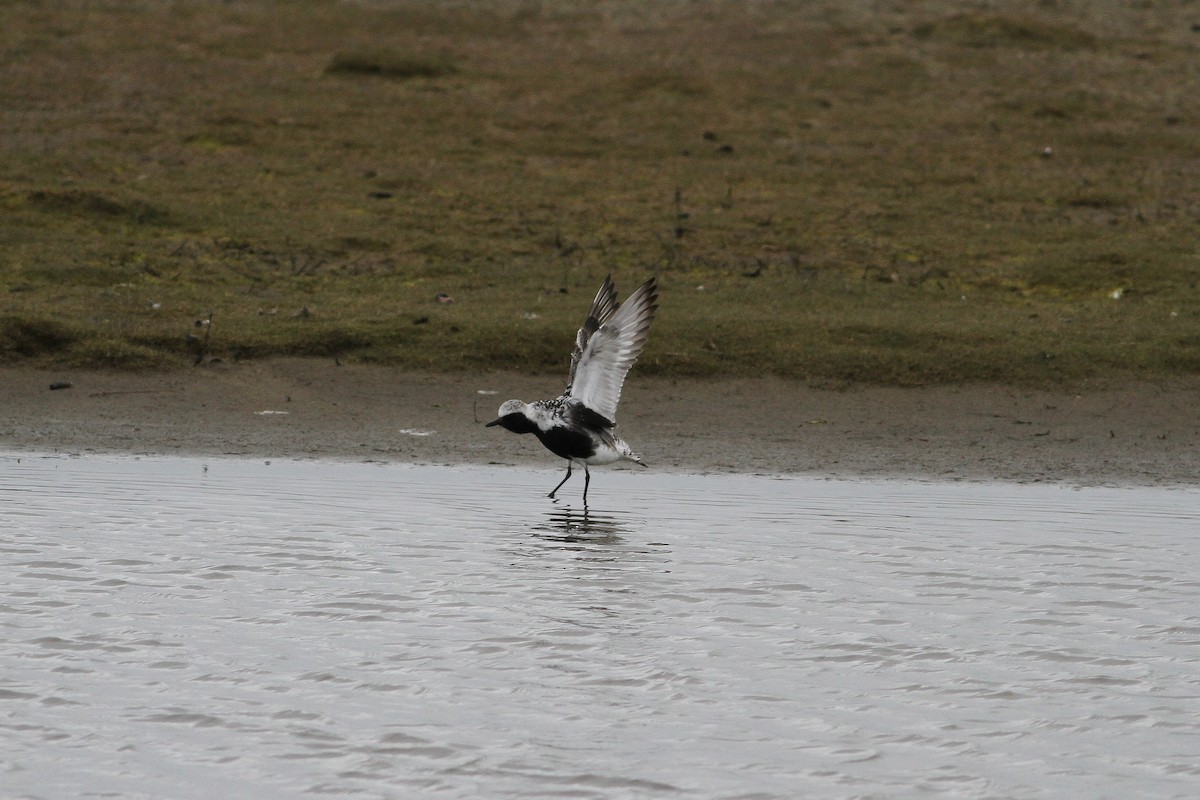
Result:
pixel 1134 433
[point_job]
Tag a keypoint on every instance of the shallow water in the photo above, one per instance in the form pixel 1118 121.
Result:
pixel 199 628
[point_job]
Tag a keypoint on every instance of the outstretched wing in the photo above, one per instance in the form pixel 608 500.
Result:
pixel 611 349
pixel 602 308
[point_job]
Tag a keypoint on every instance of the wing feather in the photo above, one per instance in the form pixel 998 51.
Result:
pixel 603 307
pixel 607 353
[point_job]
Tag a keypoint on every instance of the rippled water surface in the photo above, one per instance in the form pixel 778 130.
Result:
pixel 176 628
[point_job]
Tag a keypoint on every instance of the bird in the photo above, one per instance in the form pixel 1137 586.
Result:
pixel 580 424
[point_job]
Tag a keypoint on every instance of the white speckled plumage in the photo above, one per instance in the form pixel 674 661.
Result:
pixel 579 425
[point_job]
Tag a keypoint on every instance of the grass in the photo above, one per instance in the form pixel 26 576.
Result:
pixel 832 193
pixel 387 64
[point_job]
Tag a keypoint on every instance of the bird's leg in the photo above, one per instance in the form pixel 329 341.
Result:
pixel 587 478
pixel 564 480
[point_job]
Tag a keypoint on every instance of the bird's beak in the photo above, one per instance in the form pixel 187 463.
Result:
pixel 493 422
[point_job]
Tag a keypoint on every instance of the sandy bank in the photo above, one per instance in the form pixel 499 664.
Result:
pixel 1135 433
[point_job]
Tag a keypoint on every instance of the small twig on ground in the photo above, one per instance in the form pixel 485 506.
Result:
pixel 202 341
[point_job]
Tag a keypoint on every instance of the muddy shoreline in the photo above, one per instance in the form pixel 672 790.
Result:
pixel 1135 433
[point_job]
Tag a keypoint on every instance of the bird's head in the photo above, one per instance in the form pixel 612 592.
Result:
pixel 512 416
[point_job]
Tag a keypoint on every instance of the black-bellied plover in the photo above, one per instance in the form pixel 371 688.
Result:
pixel 580 424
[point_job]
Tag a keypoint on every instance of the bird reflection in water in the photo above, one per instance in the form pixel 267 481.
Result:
pixel 580 525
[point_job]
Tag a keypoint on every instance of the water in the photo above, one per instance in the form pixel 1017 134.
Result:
pixel 186 628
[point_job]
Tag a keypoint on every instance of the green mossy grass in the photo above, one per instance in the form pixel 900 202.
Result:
pixel 833 194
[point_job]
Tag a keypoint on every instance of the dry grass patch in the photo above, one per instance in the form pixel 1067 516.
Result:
pixel 841 193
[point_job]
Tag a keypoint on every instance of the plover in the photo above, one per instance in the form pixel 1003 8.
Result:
pixel 580 424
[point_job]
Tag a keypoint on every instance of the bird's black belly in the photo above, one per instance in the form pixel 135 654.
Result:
pixel 567 442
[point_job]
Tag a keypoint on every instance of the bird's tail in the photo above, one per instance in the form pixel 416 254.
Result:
pixel 626 452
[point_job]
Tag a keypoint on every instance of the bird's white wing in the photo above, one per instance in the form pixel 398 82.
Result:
pixel 611 349
pixel 602 308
